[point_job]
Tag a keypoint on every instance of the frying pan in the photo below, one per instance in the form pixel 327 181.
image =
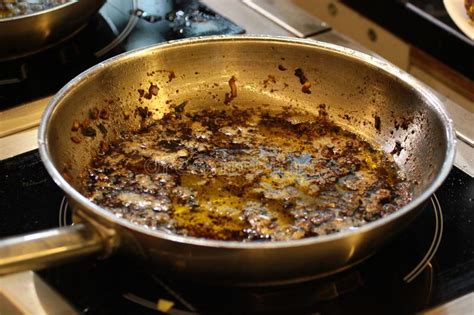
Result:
pixel 356 89
pixel 26 34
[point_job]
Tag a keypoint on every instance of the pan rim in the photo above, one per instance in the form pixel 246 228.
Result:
pixel 382 65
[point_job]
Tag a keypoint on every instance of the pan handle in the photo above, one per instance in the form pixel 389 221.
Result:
pixel 39 250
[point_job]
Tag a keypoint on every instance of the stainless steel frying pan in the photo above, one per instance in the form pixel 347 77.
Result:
pixel 348 82
pixel 26 34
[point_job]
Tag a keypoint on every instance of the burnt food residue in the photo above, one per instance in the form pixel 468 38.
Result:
pixel 306 84
pixel 244 175
pixel 233 91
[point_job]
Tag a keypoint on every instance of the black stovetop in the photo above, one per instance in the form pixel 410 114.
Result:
pixel 429 264
pixel 424 24
pixel 119 27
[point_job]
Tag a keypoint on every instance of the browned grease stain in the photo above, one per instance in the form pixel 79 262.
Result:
pixel 245 175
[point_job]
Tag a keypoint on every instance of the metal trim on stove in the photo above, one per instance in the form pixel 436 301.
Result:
pixel 122 35
pixel 292 18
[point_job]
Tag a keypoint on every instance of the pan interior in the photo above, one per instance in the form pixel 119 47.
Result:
pixel 359 97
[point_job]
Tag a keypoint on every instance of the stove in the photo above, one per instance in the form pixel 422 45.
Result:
pixel 429 264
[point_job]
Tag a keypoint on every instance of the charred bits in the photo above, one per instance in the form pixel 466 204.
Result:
pixel 180 108
pixel 267 81
pixel 143 112
pixel 94 113
pixel 306 85
pixel 323 114
pixel 300 74
pixel 403 123
pixel 233 91
pixel 171 76
pixel 88 132
pixel 102 129
pixel 103 148
pixel 377 122
pixel 397 149
pixel 152 91
pixel 103 114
